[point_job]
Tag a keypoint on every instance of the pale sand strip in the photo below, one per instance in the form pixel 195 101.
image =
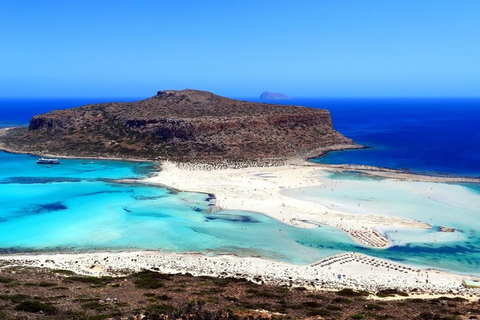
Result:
pixel 398 174
pixel 347 270
pixel 258 189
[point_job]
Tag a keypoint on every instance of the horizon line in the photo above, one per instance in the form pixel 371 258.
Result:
pixel 246 97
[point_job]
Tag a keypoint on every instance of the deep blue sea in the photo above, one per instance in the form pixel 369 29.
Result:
pixel 424 135
pixel 78 205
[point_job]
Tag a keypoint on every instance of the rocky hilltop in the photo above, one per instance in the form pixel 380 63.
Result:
pixel 179 125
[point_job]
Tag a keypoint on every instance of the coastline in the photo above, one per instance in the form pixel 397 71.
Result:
pixel 346 270
pixel 249 188
pixel 3 148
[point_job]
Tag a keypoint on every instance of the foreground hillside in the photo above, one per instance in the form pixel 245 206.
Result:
pixel 29 293
pixel 180 125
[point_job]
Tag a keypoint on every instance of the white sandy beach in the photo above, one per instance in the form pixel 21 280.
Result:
pixel 265 190
pixel 260 189
pixel 347 270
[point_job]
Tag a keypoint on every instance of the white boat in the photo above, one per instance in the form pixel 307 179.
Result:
pixel 48 161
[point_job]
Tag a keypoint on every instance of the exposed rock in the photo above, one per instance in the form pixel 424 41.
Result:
pixel 180 125
pixel 446 229
pixel 267 95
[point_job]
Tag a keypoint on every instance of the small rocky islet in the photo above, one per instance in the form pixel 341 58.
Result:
pixel 268 95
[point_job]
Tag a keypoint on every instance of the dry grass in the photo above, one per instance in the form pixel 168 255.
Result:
pixel 29 293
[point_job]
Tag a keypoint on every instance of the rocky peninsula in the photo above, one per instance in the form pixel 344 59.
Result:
pixel 186 125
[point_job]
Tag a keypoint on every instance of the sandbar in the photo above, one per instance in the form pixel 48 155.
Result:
pixel 261 189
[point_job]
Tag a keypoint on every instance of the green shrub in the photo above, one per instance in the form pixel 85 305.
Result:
pixel 262 293
pixel 59 288
pixel 416 300
pixel 93 305
pixel 46 284
pixel 373 306
pixel 334 308
pixel 457 299
pixel 164 297
pixel 341 300
pixel 64 272
pixel 352 293
pixel 311 304
pixel 94 281
pixel 282 289
pixel 149 280
pixel 391 292
pixel 36 306
pixel 474 310
pixel 155 310
pixel 149 294
pixel 14 298
pixel 318 312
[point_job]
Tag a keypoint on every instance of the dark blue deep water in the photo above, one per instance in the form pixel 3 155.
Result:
pixel 425 135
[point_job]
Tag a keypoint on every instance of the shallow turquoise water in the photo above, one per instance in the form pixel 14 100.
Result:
pixel 441 205
pixel 77 205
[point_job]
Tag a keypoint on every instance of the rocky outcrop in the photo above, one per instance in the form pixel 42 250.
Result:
pixel 47 122
pixel 181 125
pixel 267 95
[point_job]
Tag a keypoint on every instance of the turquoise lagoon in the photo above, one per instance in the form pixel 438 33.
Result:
pixel 80 205
pixel 439 204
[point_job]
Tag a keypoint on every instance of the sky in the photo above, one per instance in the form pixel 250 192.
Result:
pixel 319 48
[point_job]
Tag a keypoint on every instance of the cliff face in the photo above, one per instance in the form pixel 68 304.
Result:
pixel 181 125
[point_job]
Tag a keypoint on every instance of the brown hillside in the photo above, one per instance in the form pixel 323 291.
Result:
pixel 180 125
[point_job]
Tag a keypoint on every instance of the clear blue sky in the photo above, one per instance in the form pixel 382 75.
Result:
pixel 335 48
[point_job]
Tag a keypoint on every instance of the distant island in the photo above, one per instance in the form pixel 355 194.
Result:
pixel 267 95
pixel 186 125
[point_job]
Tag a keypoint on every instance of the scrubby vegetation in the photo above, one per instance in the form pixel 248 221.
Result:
pixel 30 293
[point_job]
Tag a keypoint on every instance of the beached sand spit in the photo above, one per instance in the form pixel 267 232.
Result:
pixel 265 190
